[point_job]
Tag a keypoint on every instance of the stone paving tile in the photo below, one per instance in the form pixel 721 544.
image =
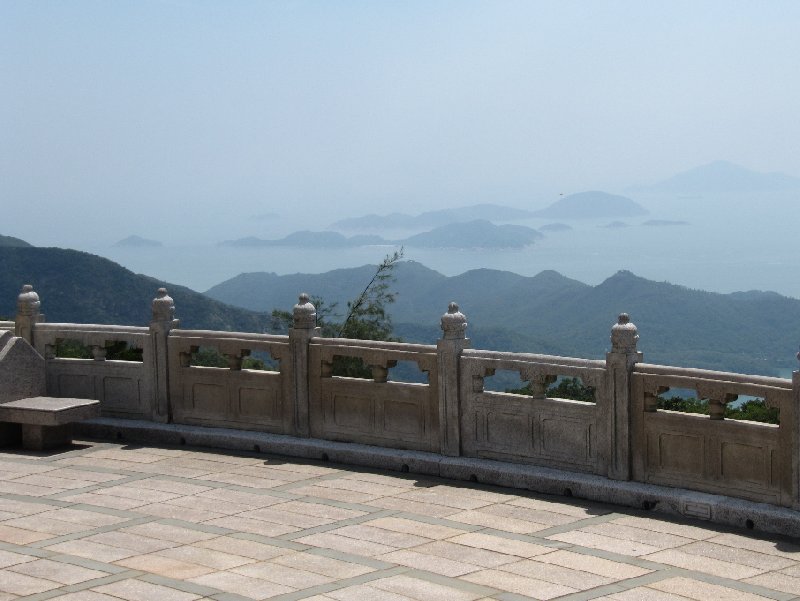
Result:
pixel 328 540
pixel 131 541
pixel 211 558
pixel 431 563
pixel 594 565
pixel 369 488
pixel 50 480
pixel 9 558
pixel 418 507
pixel 665 526
pixel 83 596
pixel 447 496
pixel 176 512
pixel 641 593
pixel 31 490
pixel 480 518
pixel 212 506
pixel 19 536
pixel 23 507
pixel 168 532
pixel 546 518
pixel 501 544
pixel 571 510
pixel 364 592
pixel 498 548
pixel 422 590
pixel 556 574
pixel 327 566
pixel 242 524
pixel 334 494
pixel 180 488
pixel 278 515
pixel 703 591
pixel 247 586
pixel 661 540
pixel 81 516
pixel 522 585
pixel 137 590
pixel 59 572
pixel 39 523
pixel 398 540
pixel 739 555
pixel 21 584
pixel 320 510
pixel 707 565
pixel 253 500
pixel 242 480
pixel 164 566
pixel 262 471
pixel 759 545
pixel 242 547
pixel 407 526
pixel 466 554
pixel 606 543
pixel 92 550
pixel 107 501
pixel 282 574
pixel 778 581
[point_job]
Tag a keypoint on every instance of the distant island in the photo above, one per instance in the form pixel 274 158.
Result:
pixel 664 222
pixel 592 205
pixel 137 242
pixel 721 177
pixel 479 233
pixel 615 225
pixel 428 219
pixel 555 227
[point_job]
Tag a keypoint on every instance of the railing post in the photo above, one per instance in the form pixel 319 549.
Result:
pixel 28 305
pixel 795 426
pixel 304 328
pixel 454 340
pixel 619 367
pixel 162 322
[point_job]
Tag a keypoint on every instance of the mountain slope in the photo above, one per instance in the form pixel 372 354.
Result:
pixel 83 288
pixel 748 332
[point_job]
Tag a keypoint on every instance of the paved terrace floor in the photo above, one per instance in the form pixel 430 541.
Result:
pixel 103 522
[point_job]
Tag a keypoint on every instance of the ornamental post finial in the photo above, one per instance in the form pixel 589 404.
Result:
pixel 624 335
pixel 454 323
pixel 304 314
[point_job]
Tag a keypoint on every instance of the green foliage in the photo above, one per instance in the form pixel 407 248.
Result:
pixel 208 357
pixel 367 317
pixel 117 351
pixel 566 388
pixel 754 410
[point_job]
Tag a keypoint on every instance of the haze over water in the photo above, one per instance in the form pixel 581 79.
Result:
pixel 192 122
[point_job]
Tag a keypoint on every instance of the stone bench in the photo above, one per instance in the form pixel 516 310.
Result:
pixel 43 422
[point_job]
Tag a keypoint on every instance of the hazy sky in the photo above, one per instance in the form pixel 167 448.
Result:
pixel 175 117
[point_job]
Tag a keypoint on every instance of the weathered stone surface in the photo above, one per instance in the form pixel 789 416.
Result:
pixel 48 411
pixel 21 369
pixel 45 422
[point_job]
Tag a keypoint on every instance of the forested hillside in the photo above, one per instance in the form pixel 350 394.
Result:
pixel 80 287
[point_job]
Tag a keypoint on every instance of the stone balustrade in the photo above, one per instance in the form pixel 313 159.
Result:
pixel 621 436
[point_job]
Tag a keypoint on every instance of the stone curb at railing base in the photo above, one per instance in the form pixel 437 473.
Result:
pixel 675 501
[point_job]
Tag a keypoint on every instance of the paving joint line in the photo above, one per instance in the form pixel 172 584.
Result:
pixel 578 524
pixel 338 524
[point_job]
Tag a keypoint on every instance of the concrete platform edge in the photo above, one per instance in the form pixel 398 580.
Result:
pixel 673 501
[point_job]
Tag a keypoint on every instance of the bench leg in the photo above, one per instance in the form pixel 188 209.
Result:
pixel 10 434
pixel 39 438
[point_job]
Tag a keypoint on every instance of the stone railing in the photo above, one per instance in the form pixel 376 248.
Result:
pixel 622 435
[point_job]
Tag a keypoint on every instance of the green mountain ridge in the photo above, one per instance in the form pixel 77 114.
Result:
pixel 752 332
pixel 83 288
